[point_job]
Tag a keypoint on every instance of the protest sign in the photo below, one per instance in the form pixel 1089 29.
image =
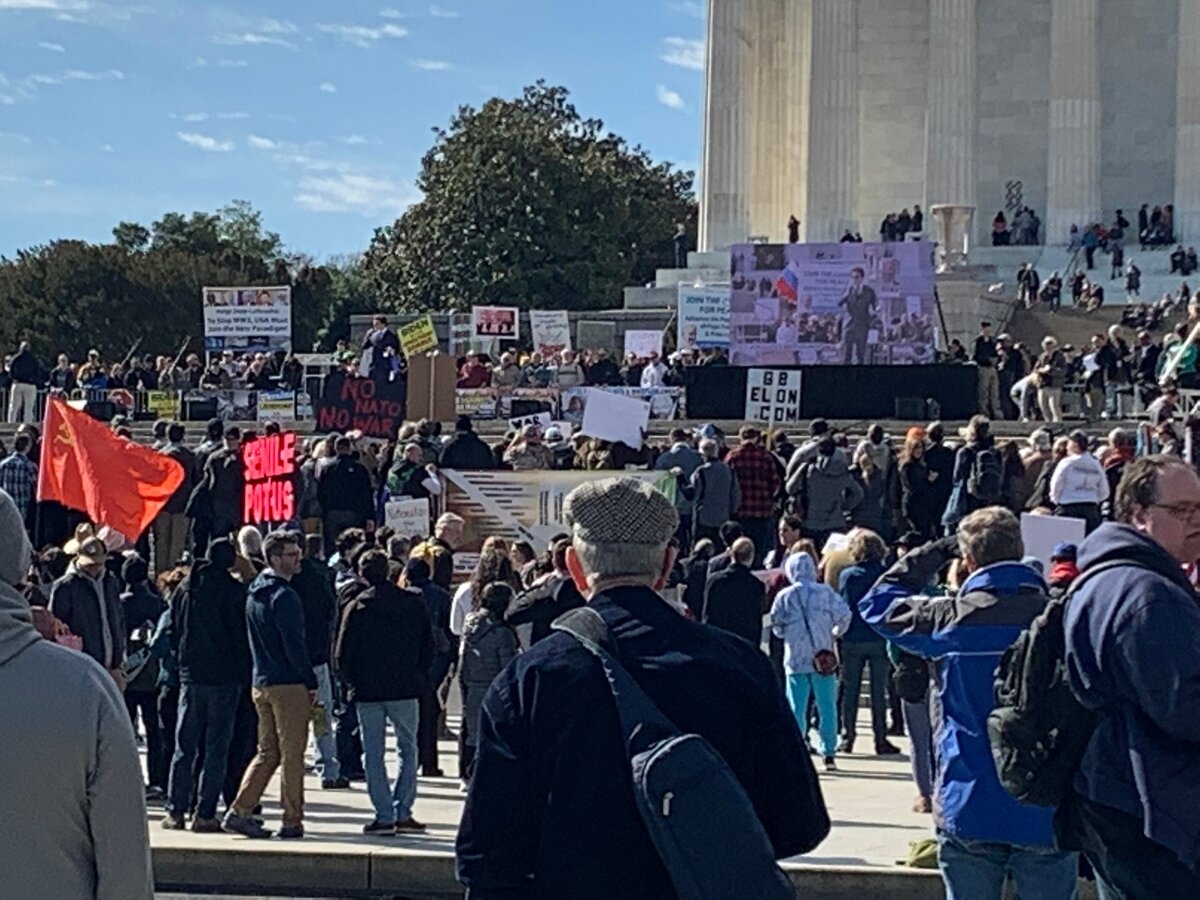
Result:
pixel 612 417
pixel 409 517
pixel 418 336
pixel 542 420
pixel 247 318
pixel 276 406
pixel 596 335
pixel 773 395
pixel 164 404
pixel 496 322
pixel 642 343
pixel 269 474
pixel 1039 534
pixel 353 403
pixel 702 317
pixel 832 304
pixel 551 331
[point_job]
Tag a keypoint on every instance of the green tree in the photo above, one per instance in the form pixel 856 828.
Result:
pixel 241 227
pixel 131 236
pixel 526 203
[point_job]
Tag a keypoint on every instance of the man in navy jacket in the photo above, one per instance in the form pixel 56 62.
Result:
pixel 1133 652
pixel 983 833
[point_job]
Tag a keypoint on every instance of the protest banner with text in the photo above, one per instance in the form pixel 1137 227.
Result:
pixel 374 406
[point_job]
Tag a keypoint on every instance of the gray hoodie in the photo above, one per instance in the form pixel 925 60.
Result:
pixel 828 492
pixel 70 782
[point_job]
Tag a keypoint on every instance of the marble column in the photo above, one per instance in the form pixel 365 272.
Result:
pixel 833 121
pixel 764 75
pixel 1073 174
pixel 1187 125
pixel 950 136
pixel 723 198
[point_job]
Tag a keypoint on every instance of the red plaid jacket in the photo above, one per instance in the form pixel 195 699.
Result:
pixel 758 478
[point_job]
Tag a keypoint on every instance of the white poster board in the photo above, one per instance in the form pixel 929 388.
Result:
pixel 551 331
pixel 642 343
pixel 612 417
pixel 703 317
pixel 773 395
pixel 1041 533
pixel 247 318
pixel 409 517
pixel 541 420
pixel 496 322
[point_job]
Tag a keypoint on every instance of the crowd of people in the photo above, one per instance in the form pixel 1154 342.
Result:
pixel 1025 228
pixel 587 368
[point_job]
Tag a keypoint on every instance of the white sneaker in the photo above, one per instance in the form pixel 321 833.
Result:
pixel 463 787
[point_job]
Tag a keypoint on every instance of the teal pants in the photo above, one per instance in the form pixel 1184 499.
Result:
pixel 824 689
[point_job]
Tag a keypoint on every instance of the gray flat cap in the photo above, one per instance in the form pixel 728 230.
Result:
pixel 620 511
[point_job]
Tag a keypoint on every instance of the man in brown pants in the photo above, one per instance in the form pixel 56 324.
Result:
pixel 285 690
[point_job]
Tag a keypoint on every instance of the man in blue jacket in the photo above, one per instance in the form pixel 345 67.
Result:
pixel 285 690
pixel 1133 652
pixel 984 834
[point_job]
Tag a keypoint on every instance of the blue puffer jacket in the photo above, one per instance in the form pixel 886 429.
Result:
pixel 1133 651
pixel 965 636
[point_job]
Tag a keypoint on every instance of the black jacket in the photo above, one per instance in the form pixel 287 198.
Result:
pixel 733 600
pixel 186 458
pixel 385 646
pixel 345 486
pixel 532 827
pixel 73 599
pixel 24 368
pixel 139 605
pixel 695 579
pixel 208 621
pixel 467 450
pixel 541 605
pixel 604 372
pixel 320 609
pixel 225 480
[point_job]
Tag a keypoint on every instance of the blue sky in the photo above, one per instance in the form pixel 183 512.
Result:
pixel 316 112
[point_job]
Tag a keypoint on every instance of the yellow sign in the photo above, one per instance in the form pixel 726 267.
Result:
pixel 164 404
pixel 418 336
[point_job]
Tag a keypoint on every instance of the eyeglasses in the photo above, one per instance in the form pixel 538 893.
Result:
pixel 288 554
pixel 1182 510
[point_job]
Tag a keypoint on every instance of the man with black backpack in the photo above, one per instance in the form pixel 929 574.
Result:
pixel 984 834
pixel 686 773
pixel 978 473
pixel 1133 653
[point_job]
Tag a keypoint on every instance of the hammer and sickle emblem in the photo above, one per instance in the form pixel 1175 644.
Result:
pixel 63 436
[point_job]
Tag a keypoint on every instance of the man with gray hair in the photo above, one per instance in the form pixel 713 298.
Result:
pixel 713 488
pixel 551 812
pixel 984 834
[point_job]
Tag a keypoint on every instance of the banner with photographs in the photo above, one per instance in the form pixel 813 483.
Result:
pixel 247 318
pixel 496 322
pixel 702 317
pixel 493 403
pixel 551 331
pixel 665 402
pixel 832 304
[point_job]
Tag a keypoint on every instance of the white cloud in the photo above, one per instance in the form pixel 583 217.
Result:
pixel 194 117
pixel 353 140
pixel 232 63
pixel 364 36
pixel 108 148
pixel 53 48
pixel 439 13
pixel 689 8
pixel 668 97
pixel 431 65
pixel 74 75
pixel 277 26
pixel 261 143
pixel 684 52
pixel 390 13
pixel 228 116
pixel 328 87
pixel 52 5
pixel 204 142
pixel 352 192
pixel 253 39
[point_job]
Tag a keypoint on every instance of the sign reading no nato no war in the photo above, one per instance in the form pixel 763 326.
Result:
pixel 374 406
pixel 773 395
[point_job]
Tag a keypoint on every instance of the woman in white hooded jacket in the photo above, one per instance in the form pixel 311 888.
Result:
pixel 807 616
pixel 1079 484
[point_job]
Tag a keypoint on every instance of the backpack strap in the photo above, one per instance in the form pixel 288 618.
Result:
pixel 641 720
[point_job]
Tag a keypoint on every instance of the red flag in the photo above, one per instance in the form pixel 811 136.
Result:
pixel 117 482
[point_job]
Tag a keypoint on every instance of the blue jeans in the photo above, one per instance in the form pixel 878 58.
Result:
pixel 326 753
pixel 920 731
pixel 856 656
pixel 976 870
pixel 824 689
pixel 208 711
pixel 393 805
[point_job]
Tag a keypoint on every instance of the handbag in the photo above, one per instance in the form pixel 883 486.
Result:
pixel 825 662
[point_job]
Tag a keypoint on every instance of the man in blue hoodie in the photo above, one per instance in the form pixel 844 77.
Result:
pixel 1133 652
pixel 984 834
pixel 285 690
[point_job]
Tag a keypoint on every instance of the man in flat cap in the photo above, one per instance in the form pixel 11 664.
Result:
pixel 551 809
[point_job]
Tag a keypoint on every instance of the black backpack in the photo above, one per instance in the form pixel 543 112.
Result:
pixel 1039 730
pixel 986 481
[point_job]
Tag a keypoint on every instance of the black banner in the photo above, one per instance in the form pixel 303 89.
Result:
pixel 374 406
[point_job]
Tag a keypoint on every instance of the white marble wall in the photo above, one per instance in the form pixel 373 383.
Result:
pixel 833 144
pixel 953 113
pixel 723 197
pixel 1187 121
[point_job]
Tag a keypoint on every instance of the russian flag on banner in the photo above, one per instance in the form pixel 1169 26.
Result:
pixel 787 285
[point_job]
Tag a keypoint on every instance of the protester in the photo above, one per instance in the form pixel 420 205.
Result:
pixel 19 475
pixel 714 490
pixel 809 617
pixel 759 478
pixel 1133 652
pixel 984 835
pixel 384 652
pixel 734 598
pixel 141 608
pixel 488 645
pixel 681 456
pixel 465 450
pixel 445 652
pixel 285 690
pixel 171 525
pixel 438 551
pixel 528 453
pixel 918 498
pixel 88 601
pixel 345 494
pixel 71 788
pixel 1079 484
pixel 825 492
pixel 547 599
pixel 554 703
